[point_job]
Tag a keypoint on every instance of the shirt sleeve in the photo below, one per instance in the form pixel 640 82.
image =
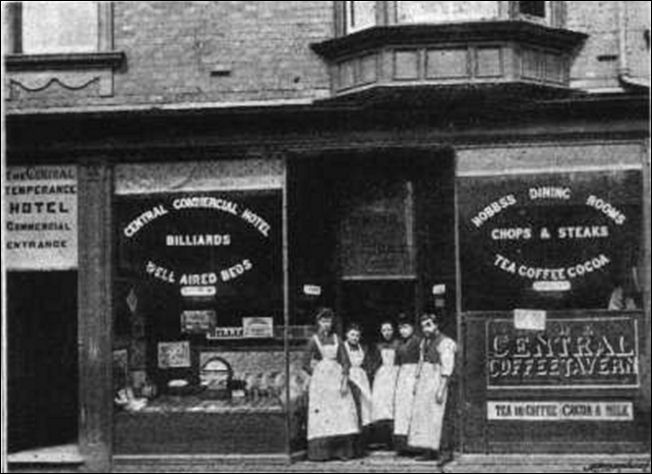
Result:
pixel 343 358
pixel 311 353
pixel 447 356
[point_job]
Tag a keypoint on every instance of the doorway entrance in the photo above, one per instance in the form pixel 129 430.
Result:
pixel 370 302
pixel 42 380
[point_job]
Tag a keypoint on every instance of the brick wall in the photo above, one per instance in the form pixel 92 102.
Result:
pixel 596 64
pixel 234 51
pixel 221 51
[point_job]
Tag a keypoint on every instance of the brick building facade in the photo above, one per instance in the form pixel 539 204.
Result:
pixel 371 138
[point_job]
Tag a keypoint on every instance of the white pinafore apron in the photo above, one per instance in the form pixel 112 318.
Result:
pixel 358 376
pixel 427 415
pixel 329 412
pixel 384 388
pixel 405 384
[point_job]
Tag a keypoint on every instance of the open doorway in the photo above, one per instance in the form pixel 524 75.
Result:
pixel 42 379
pixel 370 302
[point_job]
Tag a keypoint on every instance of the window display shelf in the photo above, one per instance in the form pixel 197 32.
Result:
pixel 195 404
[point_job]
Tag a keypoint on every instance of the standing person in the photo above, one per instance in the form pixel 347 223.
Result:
pixel 359 360
pixel 407 359
pixel 384 386
pixel 333 431
pixel 436 364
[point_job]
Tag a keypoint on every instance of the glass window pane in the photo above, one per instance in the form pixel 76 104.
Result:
pixel 533 8
pixel 198 355
pixel 441 12
pixel 360 15
pixel 60 27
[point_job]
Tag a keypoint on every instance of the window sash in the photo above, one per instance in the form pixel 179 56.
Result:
pixel 359 15
pixel 54 27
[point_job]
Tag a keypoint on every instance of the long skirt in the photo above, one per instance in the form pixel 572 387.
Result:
pixel 405 384
pixel 427 414
pixel 362 395
pixel 332 417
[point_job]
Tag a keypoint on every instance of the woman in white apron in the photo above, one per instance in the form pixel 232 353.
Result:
pixel 436 364
pixel 384 387
pixel 407 359
pixel 333 430
pixel 357 373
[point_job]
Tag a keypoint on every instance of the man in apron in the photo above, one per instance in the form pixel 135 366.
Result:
pixel 436 363
pixel 407 359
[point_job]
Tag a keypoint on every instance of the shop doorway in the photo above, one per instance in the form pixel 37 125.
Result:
pixel 42 379
pixel 369 303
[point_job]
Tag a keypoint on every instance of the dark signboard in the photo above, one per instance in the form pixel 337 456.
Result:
pixel 555 241
pixel 588 352
pixel 376 234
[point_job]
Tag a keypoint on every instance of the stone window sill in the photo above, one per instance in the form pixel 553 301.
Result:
pixel 68 61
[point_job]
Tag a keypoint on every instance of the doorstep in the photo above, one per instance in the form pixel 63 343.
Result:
pixel 200 462
pixel 62 458
pixel 63 454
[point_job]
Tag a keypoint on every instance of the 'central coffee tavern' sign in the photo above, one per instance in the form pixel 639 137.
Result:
pixel 573 352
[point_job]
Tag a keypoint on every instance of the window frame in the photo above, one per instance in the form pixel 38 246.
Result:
pixel 14 33
pixel 387 15
pixel 546 19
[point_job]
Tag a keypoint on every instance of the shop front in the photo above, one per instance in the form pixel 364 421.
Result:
pixel 199 338
pixel 199 280
pixel 40 239
pixel 552 263
pixel 220 267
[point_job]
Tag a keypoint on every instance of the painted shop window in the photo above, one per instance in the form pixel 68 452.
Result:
pixel 445 12
pixel 199 311
pixel 551 241
pixel 54 27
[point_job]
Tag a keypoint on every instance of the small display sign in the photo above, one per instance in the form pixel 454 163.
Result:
pixel 258 327
pixel 173 354
pixel 198 291
pixel 226 332
pixel 197 321
pixel 530 319
pixel 560 410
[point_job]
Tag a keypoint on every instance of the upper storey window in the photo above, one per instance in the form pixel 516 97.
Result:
pixel 532 9
pixel 445 12
pixel 359 15
pixel 55 27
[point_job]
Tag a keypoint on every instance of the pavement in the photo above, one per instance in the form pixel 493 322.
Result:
pixel 375 462
pixel 389 462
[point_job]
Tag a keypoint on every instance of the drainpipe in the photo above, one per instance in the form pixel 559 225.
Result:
pixel 624 74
